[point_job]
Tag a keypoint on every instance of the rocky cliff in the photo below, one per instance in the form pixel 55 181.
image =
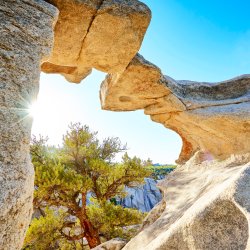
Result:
pixel 143 198
pixel 206 201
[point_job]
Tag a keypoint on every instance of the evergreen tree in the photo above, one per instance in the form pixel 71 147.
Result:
pixel 83 166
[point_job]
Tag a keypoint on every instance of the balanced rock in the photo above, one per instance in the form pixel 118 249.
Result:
pixel 101 34
pixel 115 35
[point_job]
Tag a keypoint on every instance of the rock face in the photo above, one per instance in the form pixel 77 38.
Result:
pixel 26 39
pixel 207 207
pixel 101 34
pixel 143 198
pixel 205 115
pixel 206 201
pixel 114 244
pixel 138 86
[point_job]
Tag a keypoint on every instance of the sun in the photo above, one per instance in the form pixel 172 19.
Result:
pixel 34 109
pixel 52 111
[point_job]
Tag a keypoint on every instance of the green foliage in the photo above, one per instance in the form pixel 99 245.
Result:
pixel 158 171
pixel 112 219
pixel 64 176
pixel 57 184
pixel 45 233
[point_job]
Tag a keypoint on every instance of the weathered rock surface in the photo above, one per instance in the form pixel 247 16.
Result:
pixel 26 39
pixel 114 244
pixel 138 86
pixel 206 202
pixel 207 207
pixel 143 198
pixel 101 34
pixel 199 209
pixel 71 29
pixel 205 115
pixel 115 35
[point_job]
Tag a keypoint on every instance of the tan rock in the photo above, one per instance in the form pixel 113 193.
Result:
pixel 166 104
pixel 101 34
pixel 72 74
pixel 74 20
pixel 160 118
pixel 210 118
pixel 207 207
pixel 189 144
pixel 71 29
pixel 115 35
pixel 137 87
pixel 217 119
pixel 217 131
pixel 114 244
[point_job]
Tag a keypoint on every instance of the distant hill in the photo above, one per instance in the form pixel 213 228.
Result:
pixel 160 171
pixel 160 165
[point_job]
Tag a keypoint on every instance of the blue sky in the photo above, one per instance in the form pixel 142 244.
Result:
pixel 199 40
pixel 187 39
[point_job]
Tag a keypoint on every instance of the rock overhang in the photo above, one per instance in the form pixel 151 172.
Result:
pixel 100 34
pixel 106 35
pixel 211 118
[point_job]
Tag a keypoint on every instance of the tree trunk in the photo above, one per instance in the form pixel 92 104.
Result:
pixel 91 234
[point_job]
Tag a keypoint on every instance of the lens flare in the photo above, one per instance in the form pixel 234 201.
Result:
pixel 33 109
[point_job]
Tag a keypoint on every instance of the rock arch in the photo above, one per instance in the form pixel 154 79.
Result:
pixel 203 114
pixel 212 118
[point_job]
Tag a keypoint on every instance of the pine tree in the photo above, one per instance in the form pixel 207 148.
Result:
pixel 83 166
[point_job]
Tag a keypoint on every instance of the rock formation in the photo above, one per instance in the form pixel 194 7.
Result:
pixel 143 198
pixel 206 200
pixel 25 41
pixel 201 209
pixel 114 244
pixel 101 34
pixel 205 206
pixel 205 115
